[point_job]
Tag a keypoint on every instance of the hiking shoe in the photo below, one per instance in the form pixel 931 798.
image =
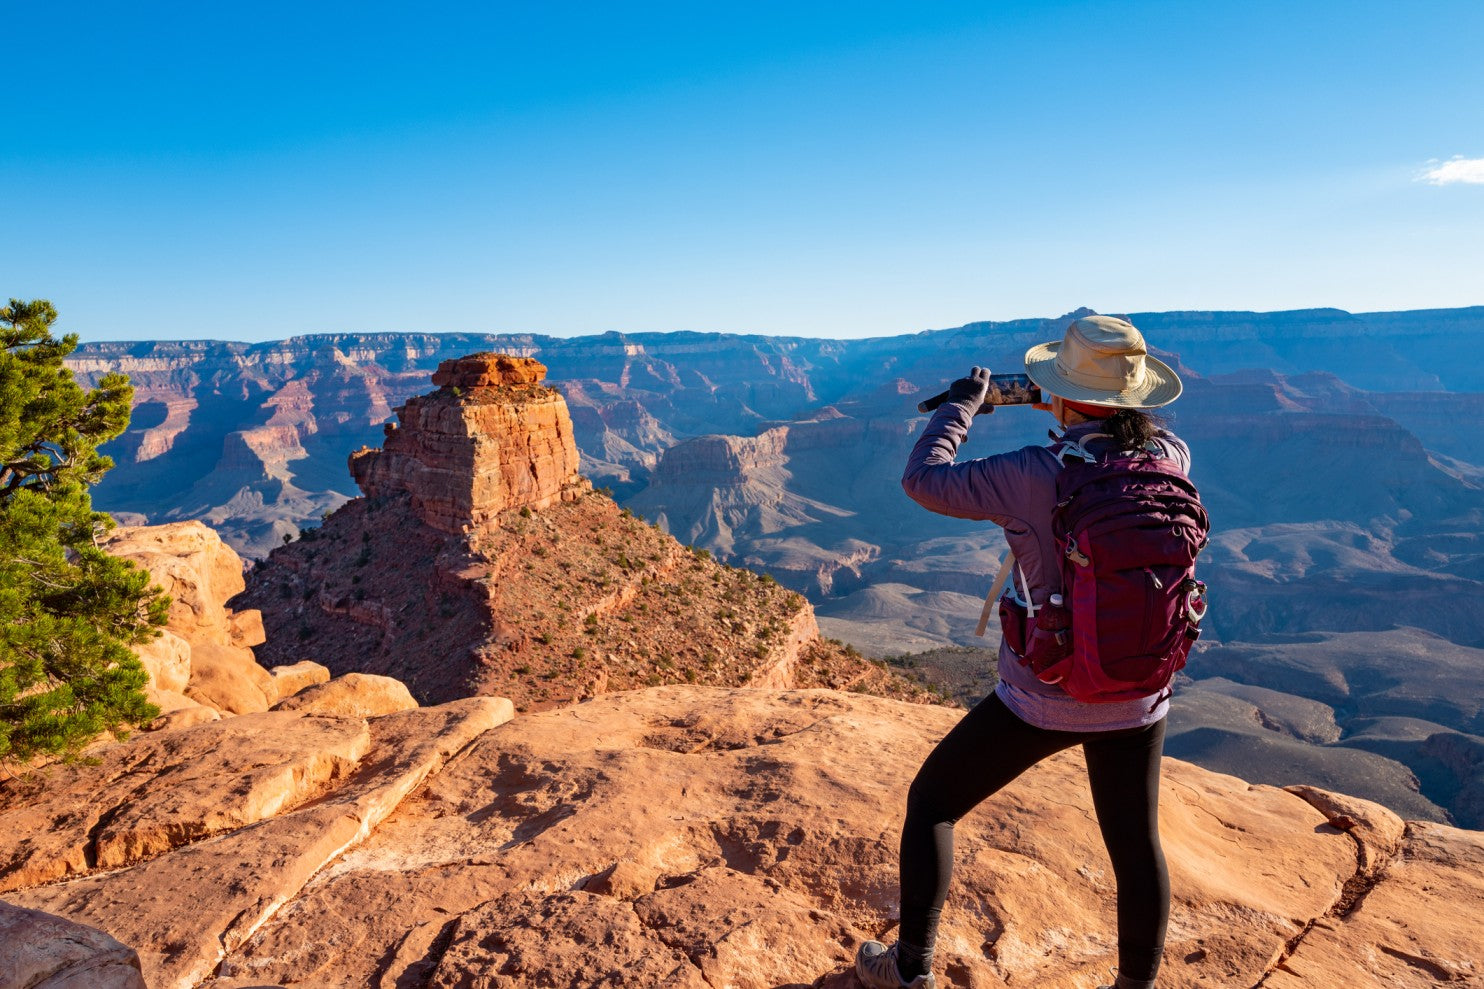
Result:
pixel 876 967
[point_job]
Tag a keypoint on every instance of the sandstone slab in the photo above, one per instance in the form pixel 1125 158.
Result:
pixel 355 695
pixel 40 951
pixel 707 837
pixel 1422 925
pixel 531 939
pixel 701 836
pixel 165 789
pixel 241 879
pixel 1378 832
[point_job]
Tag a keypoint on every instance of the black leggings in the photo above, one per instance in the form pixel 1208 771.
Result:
pixel 991 747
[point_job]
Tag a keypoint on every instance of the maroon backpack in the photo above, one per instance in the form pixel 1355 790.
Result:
pixel 1130 525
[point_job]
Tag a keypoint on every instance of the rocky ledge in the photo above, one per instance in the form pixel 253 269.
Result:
pixel 703 837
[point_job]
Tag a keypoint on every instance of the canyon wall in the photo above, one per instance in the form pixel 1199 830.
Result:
pixel 1344 483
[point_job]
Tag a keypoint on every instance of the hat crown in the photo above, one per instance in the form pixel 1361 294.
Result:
pixel 1102 353
pixel 1103 360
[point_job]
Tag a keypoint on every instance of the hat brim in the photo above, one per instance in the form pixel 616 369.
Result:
pixel 1161 384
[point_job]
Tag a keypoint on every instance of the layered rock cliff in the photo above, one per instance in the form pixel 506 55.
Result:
pixel 490 439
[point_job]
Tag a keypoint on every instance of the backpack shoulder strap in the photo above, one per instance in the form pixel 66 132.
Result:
pixel 1006 565
pixel 1063 448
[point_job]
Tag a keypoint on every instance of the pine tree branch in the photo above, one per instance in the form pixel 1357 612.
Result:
pixel 38 578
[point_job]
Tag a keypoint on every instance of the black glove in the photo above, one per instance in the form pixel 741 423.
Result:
pixel 970 391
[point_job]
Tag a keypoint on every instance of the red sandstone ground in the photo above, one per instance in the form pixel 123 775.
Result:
pixel 692 836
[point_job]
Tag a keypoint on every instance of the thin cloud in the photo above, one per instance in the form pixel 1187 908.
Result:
pixel 1453 171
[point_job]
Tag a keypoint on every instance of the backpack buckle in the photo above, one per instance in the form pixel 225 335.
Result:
pixel 1076 555
pixel 1196 603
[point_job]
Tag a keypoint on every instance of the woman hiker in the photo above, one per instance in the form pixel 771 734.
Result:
pixel 1099 379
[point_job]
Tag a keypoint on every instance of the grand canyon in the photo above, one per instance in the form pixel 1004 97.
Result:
pixel 465 719
pixel 484 726
pixel 1335 452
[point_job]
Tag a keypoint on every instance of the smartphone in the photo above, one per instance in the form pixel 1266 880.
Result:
pixel 1004 389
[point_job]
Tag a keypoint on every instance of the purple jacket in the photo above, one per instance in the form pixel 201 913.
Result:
pixel 1017 491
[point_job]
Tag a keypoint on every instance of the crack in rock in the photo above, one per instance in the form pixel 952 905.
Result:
pixel 1372 866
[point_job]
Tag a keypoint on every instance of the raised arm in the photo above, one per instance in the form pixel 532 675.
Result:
pixel 992 488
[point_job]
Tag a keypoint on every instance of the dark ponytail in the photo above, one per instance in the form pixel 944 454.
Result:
pixel 1132 429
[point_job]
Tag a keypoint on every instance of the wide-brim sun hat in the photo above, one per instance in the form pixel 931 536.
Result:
pixel 1102 360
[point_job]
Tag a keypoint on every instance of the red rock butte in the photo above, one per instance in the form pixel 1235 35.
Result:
pixel 492 438
pixel 489 371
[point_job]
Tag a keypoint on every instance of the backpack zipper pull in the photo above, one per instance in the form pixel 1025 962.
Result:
pixel 1158 584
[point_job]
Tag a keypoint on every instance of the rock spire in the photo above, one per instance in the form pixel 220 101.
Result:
pixel 491 438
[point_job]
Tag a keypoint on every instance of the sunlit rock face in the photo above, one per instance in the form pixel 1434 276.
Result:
pixel 491 438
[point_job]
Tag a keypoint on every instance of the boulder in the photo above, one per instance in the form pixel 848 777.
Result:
pixel 186 717
pixel 245 628
pixel 178 710
pixel 205 651
pixel 229 679
pixel 355 695
pixel 192 564
pixel 167 659
pixel 290 679
pixel 624 880
pixel 40 951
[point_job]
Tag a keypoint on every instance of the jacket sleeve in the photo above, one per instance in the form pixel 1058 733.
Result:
pixel 991 488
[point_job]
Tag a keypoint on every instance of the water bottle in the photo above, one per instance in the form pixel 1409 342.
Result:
pixel 1050 640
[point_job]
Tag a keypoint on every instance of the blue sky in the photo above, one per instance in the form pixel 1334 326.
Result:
pixel 254 171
